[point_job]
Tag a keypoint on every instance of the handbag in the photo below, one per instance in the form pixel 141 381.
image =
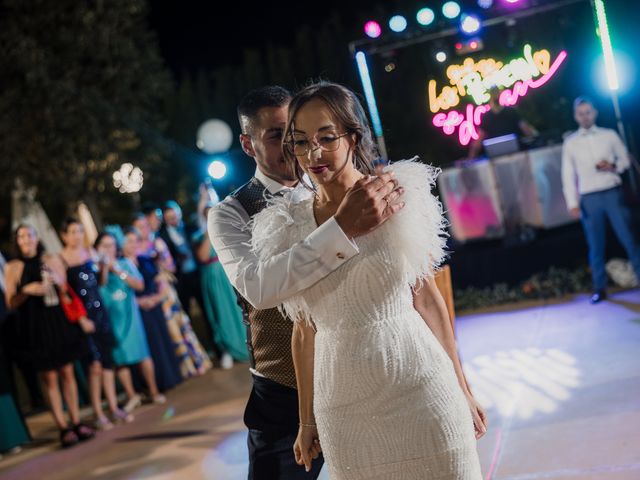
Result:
pixel 72 305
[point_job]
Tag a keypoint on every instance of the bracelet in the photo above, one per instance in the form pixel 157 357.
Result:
pixel 307 425
pixel 123 275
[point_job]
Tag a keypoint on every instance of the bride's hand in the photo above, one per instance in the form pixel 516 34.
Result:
pixel 480 422
pixel 307 446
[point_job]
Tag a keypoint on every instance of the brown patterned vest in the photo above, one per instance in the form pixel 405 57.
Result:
pixel 268 331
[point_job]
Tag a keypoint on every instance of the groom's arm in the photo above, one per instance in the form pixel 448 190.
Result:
pixel 267 283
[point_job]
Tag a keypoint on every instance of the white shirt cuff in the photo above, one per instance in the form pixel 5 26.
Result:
pixel 572 204
pixel 332 243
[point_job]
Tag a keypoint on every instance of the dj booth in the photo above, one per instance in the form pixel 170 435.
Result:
pixel 491 198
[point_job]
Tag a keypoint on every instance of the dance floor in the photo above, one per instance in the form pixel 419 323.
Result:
pixel 561 383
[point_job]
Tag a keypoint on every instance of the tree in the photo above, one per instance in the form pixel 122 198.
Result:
pixel 82 88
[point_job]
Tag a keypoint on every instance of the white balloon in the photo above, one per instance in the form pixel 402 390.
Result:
pixel 214 136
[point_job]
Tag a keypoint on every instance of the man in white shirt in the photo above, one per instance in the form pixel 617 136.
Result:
pixel 592 160
pixel 272 410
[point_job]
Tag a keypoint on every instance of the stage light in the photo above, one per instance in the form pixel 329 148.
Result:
pixel 470 24
pixel 365 78
pixel 425 16
pixel 372 29
pixel 441 56
pixel 459 46
pixel 217 169
pixel 389 67
pixel 607 50
pixel 511 1
pixel 398 23
pixel 485 3
pixel 473 45
pixel 451 9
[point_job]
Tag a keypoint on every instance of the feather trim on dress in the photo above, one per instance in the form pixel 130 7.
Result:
pixel 418 231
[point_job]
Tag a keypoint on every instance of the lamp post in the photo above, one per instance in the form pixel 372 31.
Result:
pixel 602 31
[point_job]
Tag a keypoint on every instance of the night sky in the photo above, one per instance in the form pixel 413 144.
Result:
pixel 202 34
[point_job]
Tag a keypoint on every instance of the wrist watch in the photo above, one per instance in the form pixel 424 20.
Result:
pixel 123 275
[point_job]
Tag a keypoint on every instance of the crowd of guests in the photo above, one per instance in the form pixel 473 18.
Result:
pixel 117 311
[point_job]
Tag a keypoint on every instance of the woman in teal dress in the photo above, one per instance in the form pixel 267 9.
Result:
pixel 221 304
pixel 119 299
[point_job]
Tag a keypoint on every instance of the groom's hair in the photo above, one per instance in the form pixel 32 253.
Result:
pixel 252 102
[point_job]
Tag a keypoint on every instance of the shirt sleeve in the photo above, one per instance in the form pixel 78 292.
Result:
pixel 267 283
pixel 569 178
pixel 620 151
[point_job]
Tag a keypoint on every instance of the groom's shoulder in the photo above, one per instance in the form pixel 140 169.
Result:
pixel 252 183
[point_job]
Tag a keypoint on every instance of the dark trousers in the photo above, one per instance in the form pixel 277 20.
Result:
pixel 272 418
pixel 595 209
pixel 188 286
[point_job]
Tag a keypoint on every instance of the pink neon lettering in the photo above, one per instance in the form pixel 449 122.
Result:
pixel 467 129
pixel 477 115
pixel 552 70
pixel 509 98
pixel 448 121
pixel 469 122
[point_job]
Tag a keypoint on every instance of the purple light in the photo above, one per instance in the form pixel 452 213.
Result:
pixel 511 2
pixel 372 29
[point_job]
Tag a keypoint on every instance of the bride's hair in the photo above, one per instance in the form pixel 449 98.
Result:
pixel 347 110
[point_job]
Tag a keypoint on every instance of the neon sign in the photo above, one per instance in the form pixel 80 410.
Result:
pixel 475 78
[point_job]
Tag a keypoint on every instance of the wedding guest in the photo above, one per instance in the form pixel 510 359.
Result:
pixel 45 337
pixel 85 273
pixel 119 298
pixel 155 324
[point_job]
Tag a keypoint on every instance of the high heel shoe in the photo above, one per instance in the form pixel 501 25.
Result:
pixel 84 432
pixel 104 424
pixel 133 403
pixel 120 416
pixel 68 438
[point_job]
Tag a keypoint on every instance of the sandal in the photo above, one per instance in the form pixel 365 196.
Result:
pixel 121 416
pixel 68 437
pixel 103 423
pixel 84 432
pixel 133 403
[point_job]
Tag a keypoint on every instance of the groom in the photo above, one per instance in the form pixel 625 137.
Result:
pixel 271 413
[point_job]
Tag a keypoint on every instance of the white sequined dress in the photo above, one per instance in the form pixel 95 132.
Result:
pixel 386 397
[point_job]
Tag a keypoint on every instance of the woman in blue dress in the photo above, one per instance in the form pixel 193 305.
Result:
pixel 155 324
pixel 192 357
pixel 131 347
pixel 85 275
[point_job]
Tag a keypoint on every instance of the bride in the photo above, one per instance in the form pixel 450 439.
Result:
pixel 382 392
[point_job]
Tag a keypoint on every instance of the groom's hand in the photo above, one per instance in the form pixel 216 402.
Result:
pixel 369 203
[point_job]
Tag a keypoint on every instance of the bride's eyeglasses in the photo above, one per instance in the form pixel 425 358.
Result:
pixel 300 145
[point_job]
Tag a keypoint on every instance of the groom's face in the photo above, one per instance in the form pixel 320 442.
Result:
pixel 263 142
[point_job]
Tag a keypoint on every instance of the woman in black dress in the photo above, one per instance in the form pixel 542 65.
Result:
pixel 42 334
pixel 85 275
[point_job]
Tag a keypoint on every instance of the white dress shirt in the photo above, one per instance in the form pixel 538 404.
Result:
pixel 581 152
pixel 265 284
